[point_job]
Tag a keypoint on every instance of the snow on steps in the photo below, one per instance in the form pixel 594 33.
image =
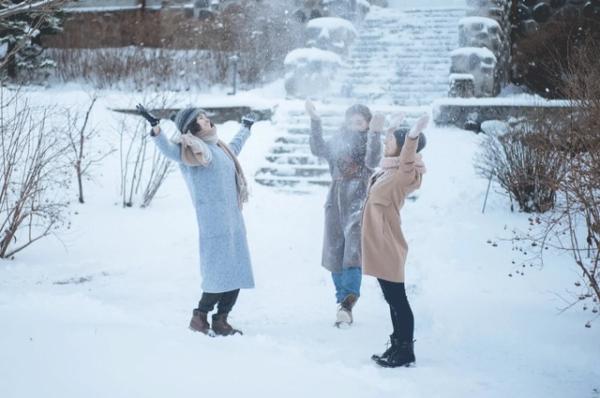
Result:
pixel 291 166
pixel 399 62
pixel 401 57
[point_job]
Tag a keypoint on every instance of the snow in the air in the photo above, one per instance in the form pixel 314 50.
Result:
pixel 102 309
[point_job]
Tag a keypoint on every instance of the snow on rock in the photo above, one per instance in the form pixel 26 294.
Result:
pixel 460 76
pixel 478 51
pixel 309 71
pixel 486 22
pixel 495 128
pixel 307 55
pixel 331 23
pixel 479 62
pixel 330 33
pixel 480 32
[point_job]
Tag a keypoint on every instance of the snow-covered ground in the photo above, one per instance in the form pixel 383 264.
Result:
pixel 124 332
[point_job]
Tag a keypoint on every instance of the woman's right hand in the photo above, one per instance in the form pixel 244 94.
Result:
pixel 311 109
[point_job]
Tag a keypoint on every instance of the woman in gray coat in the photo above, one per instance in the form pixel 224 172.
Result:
pixel 352 154
pixel 218 189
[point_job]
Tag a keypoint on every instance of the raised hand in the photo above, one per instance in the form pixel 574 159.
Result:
pixel 153 120
pixel 248 120
pixel 419 126
pixel 396 121
pixel 311 109
pixel 377 123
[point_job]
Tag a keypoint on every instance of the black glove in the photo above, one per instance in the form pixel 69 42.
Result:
pixel 249 120
pixel 153 120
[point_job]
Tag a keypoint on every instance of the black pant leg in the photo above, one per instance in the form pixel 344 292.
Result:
pixel 402 315
pixel 227 301
pixel 387 295
pixel 208 301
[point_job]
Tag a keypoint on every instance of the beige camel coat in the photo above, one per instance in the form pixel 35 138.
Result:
pixel 384 247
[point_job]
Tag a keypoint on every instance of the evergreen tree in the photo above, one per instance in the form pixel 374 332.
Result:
pixel 22 23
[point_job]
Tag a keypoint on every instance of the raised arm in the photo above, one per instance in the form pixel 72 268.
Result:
pixel 167 148
pixel 239 140
pixel 318 146
pixel 374 144
pixel 408 153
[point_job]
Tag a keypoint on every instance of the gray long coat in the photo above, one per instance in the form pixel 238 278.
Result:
pixel 352 158
pixel 224 256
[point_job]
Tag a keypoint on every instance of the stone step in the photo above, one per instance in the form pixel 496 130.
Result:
pixel 291 149
pixel 294 159
pixel 295 171
pixel 400 58
pixel 293 139
pixel 291 182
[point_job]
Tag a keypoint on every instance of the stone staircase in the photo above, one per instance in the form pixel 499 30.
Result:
pixel 399 62
pixel 401 57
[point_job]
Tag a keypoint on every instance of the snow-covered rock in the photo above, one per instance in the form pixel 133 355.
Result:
pixel 309 71
pixel 332 34
pixel 480 32
pixel 495 128
pixel 479 62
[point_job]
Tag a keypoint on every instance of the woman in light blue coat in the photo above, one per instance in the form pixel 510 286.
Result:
pixel 218 189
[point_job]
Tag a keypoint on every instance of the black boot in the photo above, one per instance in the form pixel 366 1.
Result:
pixel 386 353
pixel 402 354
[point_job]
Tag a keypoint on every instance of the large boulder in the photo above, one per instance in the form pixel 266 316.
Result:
pixel 309 71
pixel 331 34
pixel 478 62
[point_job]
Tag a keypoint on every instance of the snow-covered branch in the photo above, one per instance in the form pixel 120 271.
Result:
pixel 28 6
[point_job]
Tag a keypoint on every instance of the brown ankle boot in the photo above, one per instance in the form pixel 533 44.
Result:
pixel 349 302
pixel 221 327
pixel 199 322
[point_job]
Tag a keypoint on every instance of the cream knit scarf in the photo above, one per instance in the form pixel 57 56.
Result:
pixel 196 152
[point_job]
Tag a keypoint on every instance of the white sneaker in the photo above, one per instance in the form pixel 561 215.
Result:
pixel 344 317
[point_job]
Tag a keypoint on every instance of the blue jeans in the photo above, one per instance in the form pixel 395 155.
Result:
pixel 347 282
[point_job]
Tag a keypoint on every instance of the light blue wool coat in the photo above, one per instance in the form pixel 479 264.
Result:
pixel 224 256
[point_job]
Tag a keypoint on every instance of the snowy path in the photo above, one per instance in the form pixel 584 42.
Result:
pixel 124 333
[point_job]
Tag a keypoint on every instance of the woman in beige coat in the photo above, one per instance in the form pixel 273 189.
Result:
pixel 384 247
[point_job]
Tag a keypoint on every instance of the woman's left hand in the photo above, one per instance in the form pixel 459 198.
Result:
pixel 421 125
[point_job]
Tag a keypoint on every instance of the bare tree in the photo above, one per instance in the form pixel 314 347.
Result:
pixel 573 226
pixel 143 170
pixel 34 175
pixel 79 137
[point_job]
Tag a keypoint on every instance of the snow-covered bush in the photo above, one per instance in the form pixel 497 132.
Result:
pixel 578 217
pixel 35 174
pixel 141 68
pixel 525 162
pixel 571 140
